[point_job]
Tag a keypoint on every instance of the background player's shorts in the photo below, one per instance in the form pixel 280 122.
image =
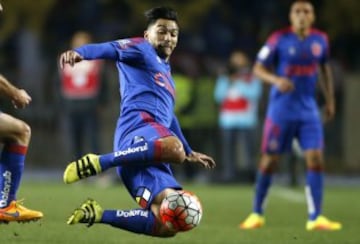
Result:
pixel 278 135
pixel 147 181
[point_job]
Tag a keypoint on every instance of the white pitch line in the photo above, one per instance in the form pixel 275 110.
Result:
pixel 289 195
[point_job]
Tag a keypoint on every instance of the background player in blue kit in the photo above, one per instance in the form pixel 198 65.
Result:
pixel 299 56
pixel 148 137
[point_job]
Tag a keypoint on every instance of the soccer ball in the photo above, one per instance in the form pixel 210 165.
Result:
pixel 180 211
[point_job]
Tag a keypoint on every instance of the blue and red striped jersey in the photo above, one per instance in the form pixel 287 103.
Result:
pixel 298 60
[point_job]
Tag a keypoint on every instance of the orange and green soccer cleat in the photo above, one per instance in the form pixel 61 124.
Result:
pixel 90 212
pixel 17 212
pixel 322 223
pixel 84 167
pixel 253 221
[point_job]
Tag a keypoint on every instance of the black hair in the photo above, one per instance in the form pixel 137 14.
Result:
pixel 152 15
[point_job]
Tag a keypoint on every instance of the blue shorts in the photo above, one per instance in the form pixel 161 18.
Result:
pixel 279 133
pixel 144 182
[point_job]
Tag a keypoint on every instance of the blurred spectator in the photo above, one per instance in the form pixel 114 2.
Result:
pixel 83 92
pixel 185 72
pixel 238 94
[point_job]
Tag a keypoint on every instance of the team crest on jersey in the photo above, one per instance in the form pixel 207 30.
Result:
pixel 124 43
pixel 142 197
pixel 316 49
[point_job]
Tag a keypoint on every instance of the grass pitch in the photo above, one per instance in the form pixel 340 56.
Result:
pixel 224 207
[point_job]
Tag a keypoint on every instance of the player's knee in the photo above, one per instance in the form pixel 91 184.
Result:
pixel 315 164
pixel 25 133
pixel 314 161
pixel 20 133
pixel 268 163
pixel 172 150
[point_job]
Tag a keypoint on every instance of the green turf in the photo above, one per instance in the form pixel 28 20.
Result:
pixel 224 207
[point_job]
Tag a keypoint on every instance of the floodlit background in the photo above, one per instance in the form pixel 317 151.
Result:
pixel 34 33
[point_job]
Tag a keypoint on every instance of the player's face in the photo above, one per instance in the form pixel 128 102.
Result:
pixel 163 35
pixel 302 15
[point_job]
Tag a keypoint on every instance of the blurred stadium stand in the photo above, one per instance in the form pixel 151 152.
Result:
pixel 32 35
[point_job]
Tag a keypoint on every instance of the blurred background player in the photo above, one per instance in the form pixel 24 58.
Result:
pixel 15 136
pixel 298 55
pixel 238 93
pixel 83 93
pixel 148 136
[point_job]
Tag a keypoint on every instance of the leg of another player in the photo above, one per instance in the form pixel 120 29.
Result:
pixel 314 193
pixel 266 168
pixel 15 134
pixel 314 182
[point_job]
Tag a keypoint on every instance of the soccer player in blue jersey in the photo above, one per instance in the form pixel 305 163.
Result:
pixel 292 60
pixel 15 136
pixel 148 137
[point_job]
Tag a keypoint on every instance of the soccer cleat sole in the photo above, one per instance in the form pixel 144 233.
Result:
pixel 253 227
pixel 20 221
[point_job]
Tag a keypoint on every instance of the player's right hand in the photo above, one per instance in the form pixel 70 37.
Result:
pixel 200 158
pixel 69 57
pixel 284 84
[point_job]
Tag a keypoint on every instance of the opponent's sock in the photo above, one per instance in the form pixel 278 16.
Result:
pixel 314 191
pixel 11 169
pixel 263 182
pixel 135 220
pixel 139 153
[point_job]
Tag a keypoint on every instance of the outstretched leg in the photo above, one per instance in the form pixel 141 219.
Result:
pixel 141 221
pixel 167 149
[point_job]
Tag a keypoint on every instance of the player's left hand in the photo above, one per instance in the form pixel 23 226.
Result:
pixel 200 158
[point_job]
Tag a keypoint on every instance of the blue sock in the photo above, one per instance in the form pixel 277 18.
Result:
pixel 140 221
pixel 263 182
pixel 314 192
pixel 11 169
pixel 140 153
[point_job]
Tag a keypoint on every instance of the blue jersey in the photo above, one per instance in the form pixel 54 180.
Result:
pixel 145 80
pixel 147 111
pixel 298 60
